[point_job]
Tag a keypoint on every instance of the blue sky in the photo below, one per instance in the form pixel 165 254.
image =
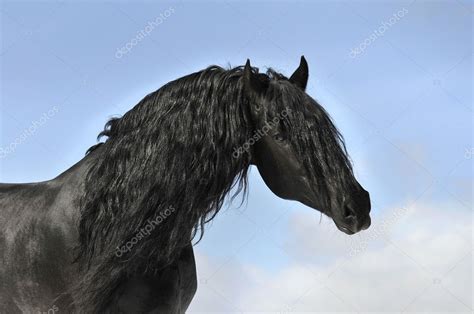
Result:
pixel 403 103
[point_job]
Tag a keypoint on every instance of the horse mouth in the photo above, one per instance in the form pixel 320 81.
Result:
pixel 345 229
pixel 351 229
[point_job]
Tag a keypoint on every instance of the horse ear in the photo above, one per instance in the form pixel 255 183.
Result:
pixel 300 76
pixel 251 81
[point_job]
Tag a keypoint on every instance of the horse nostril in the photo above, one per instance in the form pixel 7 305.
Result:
pixel 349 213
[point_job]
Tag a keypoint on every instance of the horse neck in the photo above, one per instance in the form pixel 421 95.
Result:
pixel 70 186
pixel 76 174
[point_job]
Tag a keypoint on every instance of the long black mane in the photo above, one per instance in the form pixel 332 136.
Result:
pixel 175 149
pixel 171 150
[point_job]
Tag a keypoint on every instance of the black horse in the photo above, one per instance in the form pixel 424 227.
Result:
pixel 113 233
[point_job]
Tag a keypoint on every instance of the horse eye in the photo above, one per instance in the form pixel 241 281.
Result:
pixel 278 138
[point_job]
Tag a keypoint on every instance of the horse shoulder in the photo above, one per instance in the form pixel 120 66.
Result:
pixel 169 291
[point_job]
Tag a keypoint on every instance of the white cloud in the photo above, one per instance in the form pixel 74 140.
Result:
pixel 420 262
